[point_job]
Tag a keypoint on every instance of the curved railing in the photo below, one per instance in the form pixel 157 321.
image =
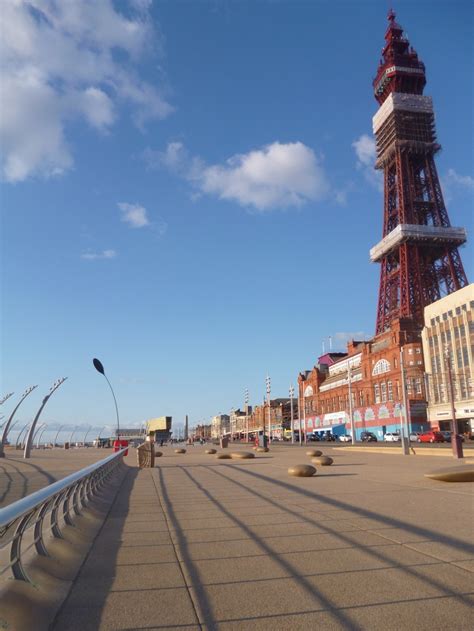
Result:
pixel 59 500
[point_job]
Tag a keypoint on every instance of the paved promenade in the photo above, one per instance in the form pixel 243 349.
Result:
pixel 200 543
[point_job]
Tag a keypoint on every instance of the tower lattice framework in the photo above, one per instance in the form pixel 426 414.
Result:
pixel 419 255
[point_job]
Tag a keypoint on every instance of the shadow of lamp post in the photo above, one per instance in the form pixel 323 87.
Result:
pixel 99 367
pixel 6 429
pixel 29 440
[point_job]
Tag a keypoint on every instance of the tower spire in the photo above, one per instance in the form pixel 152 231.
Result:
pixel 418 252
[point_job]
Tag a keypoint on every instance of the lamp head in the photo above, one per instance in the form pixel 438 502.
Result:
pixel 98 366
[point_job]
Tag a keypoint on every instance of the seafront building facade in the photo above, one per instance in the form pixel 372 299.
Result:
pixel 448 336
pixel 368 383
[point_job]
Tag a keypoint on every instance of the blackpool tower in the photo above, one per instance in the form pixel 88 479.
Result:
pixel 418 253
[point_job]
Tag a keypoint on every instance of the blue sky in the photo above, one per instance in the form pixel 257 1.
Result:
pixel 188 194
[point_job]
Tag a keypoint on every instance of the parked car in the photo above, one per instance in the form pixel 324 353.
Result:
pixel 414 436
pixel 345 438
pixel 392 437
pixel 431 437
pixel 312 436
pixel 447 436
pixel 368 437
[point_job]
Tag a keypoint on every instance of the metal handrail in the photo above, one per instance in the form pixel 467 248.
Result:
pixel 55 499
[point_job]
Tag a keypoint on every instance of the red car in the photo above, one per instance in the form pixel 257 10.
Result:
pixel 431 437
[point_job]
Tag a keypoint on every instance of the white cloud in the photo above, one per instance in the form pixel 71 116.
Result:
pixel 59 61
pixel 365 150
pixel 174 157
pixel 460 181
pixel 364 147
pixel 134 214
pixel 277 175
pixel 105 254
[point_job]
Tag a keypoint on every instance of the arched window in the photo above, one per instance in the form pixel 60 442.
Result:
pixel 380 367
pixel 308 391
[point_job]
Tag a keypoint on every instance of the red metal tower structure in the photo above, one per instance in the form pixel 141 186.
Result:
pixel 418 253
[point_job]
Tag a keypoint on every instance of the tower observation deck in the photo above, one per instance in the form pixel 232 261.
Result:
pixel 419 256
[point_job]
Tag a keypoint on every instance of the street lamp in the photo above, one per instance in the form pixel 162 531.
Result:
pixel 292 393
pixel 72 434
pixel 18 442
pixel 85 435
pixel 246 402
pixel 6 428
pixel 99 367
pixel 351 411
pixel 29 440
pixel 268 383
pixel 6 397
pixel 44 428
pixel 57 434
pixel 455 441
pixel 406 403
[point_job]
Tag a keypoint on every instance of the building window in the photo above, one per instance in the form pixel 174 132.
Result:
pixel 380 367
pixel 432 321
pixel 409 388
pixel 458 310
pixel 465 355
pixel 410 351
pixel 376 393
pixel 450 313
pixel 390 390
pixel 418 386
pixel 361 398
pixel 418 351
pixel 397 385
pixel 383 387
pixel 445 317
pixel 462 329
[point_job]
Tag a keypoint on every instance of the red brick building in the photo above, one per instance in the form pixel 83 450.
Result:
pixel 376 385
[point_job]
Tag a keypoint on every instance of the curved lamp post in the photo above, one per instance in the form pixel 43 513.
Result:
pixel 6 428
pixel 18 442
pixel 29 440
pixel 57 434
pixel 72 434
pixel 85 435
pixel 38 430
pixel 6 397
pixel 40 434
pixel 99 367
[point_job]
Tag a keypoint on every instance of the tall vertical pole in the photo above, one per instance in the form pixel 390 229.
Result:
pixel 351 411
pixel 291 393
pixel 269 388
pixel 300 408
pixel 405 436
pixel 304 419
pixel 455 442
pixel 186 429
pixel 246 400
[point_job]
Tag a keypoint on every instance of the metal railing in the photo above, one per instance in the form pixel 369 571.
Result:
pixel 59 500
